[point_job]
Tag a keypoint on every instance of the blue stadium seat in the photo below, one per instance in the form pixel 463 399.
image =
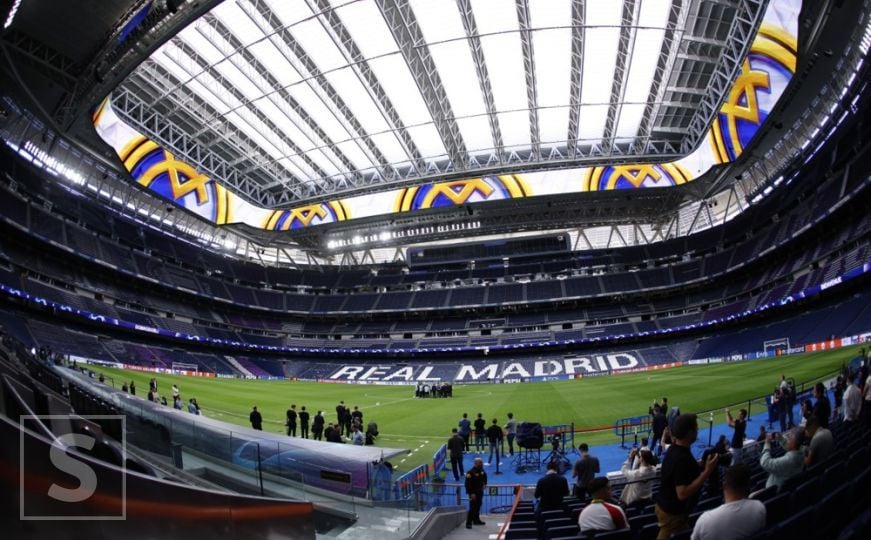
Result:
pixel 777 508
pixel 859 528
pixel 623 534
pixel 796 526
pixel 561 532
pixel 521 534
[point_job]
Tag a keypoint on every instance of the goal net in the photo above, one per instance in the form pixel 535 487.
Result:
pixel 182 366
pixel 780 343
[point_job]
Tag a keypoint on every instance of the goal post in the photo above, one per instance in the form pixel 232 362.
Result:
pixel 779 343
pixel 183 366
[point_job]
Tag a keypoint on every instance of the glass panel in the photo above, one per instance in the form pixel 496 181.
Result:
pixel 600 50
pixel 357 99
pixel 290 11
pixel 553 124
pixel 427 139
pixel 367 27
pixel 268 55
pixel 495 15
pixel 396 79
pixel 515 128
pixel 645 54
pixel 318 45
pixel 550 13
pixel 439 21
pixel 390 147
pixel 315 108
pixel 476 132
pixel 457 70
pixel 552 49
pixel 592 122
pixel 242 26
pixel 630 119
pixel 504 59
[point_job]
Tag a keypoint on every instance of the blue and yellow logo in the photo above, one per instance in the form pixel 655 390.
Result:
pixel 157 169
pixel 635 176
pixel 306 216
pixel 770 64
pixel 457 192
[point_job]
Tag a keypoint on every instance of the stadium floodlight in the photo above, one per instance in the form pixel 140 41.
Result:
pixel 11 16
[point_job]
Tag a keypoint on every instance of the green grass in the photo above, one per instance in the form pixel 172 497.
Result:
pixel 423 425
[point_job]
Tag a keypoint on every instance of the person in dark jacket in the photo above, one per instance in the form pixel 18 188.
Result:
pixel 303 423
pixel 550 489
pixel 256 419
pixel 318 426
pixel 476 481
pixel 456 444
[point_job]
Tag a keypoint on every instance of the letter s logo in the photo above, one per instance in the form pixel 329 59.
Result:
pixel 86 475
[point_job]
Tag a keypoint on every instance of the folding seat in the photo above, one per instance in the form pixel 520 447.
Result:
pixel 623 534
pixel 681 535
pixel 562 532
pixel 858 529
pixel 764 494
pixel 707 504
pixel 777 508
pixel 559 522
pixel 808 493
pixel 637 522
pixel 796 526
pixel 649 531
pixel 521 534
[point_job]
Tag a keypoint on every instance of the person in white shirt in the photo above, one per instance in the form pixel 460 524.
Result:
pixel 600 515
pixel 638 490
pixel 852 401
pixel 738 517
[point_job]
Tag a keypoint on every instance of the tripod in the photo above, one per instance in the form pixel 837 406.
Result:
pixel 558 454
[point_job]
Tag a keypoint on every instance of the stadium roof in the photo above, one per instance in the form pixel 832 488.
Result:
pixel 303 100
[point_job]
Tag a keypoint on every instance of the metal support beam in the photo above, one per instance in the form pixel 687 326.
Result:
pixel 578 31
pixel 628 18
pixel 332 24
pixel 405 30
pixel 529 76
pixel 471 27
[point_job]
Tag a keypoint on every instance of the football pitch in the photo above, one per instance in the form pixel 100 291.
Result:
pixel 422 425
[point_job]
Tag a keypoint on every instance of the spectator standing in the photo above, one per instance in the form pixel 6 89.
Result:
pixel 638 491
pixel 821 441
pixel 511 432
pixel 318 426
pixel 476 481
pixel 256 419
pixel 480 432
pixel 357 417
pixel 494 437
pixel 852 402
pixel 340 414
pixel 738 517
pixel 659 423
pixel 175 391
pixel 740 426
pixel 585 469
pixel 303 422
pixel 600 515
pixel 371 433
pixel 682 478
pixel 465 429
pixel 550 490
pixel 291 421
pixel 822 407
pixel 132 388
pixel 455 451
pixel 786 466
